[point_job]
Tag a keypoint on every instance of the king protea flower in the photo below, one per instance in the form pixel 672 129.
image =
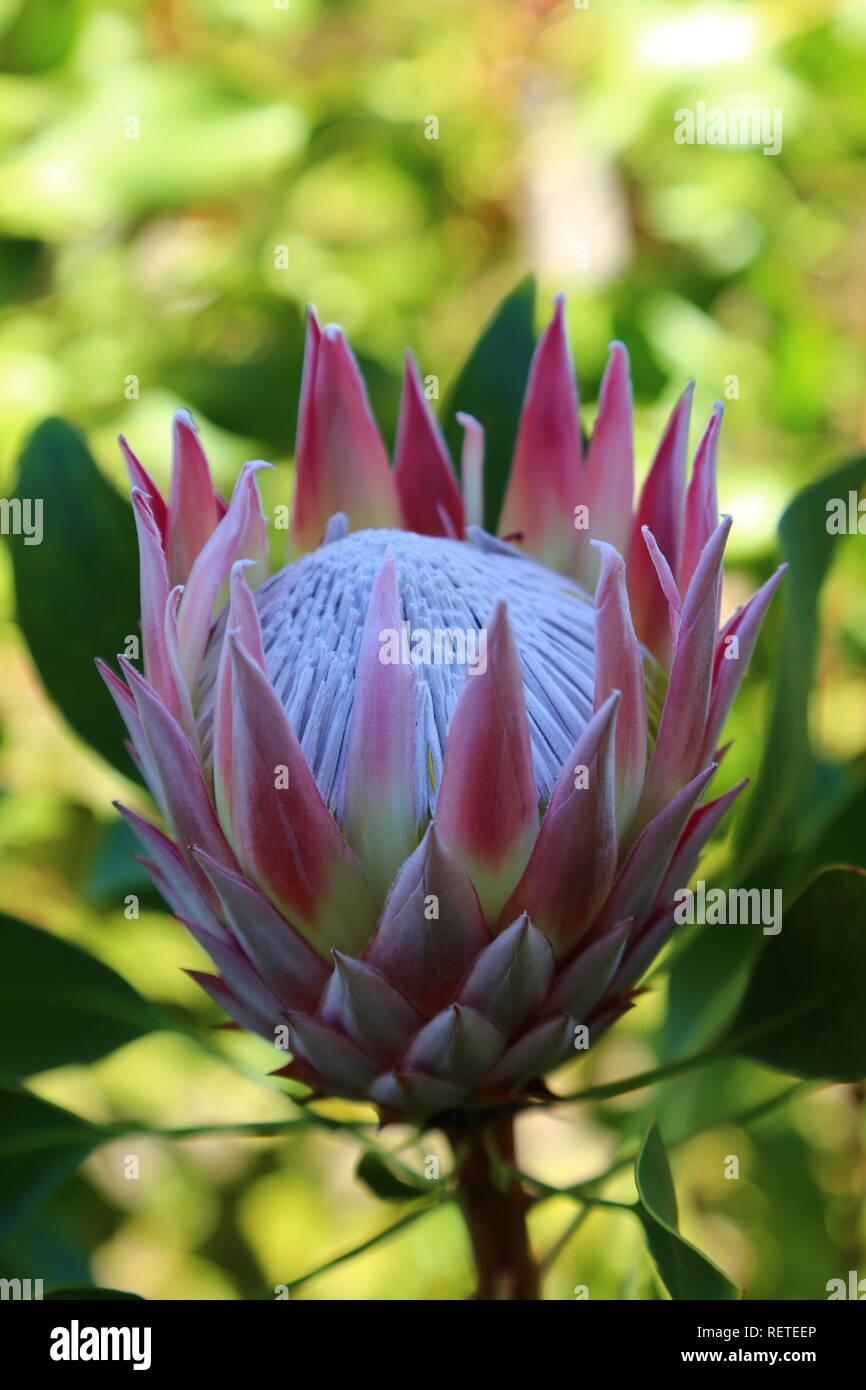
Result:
pixel 434 878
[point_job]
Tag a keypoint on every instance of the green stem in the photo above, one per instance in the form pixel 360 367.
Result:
pixel 645 1078
pixel 380 1236
pixel 256 1129
pixel 549 1259
pixel 728 1046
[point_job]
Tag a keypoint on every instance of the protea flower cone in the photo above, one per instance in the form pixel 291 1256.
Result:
pixel 427 793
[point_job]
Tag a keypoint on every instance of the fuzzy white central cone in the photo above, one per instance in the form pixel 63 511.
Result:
pixel 313 614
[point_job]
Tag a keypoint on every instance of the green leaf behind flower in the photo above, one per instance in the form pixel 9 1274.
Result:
pixel 60 1005
pixel 789 773
pixel 812 979
pixel 77 591
pixel 785 832
pixel 40 1145
pixel 491 386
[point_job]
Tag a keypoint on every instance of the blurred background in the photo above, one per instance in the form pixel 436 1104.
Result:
pixel 178 180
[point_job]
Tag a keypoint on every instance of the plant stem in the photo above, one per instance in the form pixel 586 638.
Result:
pixel 494 1205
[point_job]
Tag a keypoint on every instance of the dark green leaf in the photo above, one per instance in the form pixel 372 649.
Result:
pixel 40 1145
pixel 87 1294
pixel 25 268
pixel 60 1005
pixel 706 983
pixel 812 979
pixel 795 795
pixel 383 1182
pixel 255 397
pixel 685 1272
pixel 775 810
pixel 112 871
pixel 842 837
pixel 491 386
pixel 37 1249
pixel 77 591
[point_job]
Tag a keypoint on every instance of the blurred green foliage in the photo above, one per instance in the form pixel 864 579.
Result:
pixel 178 179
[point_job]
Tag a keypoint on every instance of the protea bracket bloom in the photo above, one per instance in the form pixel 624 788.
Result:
pixel 434 878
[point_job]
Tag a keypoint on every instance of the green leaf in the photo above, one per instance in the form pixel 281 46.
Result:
pixel 85 1293
pixel 709 976
pixel 40 1145
pixel 706 983
pixel 684 1270
pixel 77 591
pixel 42 1248
pixel 112 871
pixel 794 795
pixel 248 397
pixel 59 1005
pixel 841 838
pixel 789 771
pixel 40 36
pixel 811 978
pixel 383 1182
pixel 491 386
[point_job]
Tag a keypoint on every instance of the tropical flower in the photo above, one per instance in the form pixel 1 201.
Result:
pixel 432 879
